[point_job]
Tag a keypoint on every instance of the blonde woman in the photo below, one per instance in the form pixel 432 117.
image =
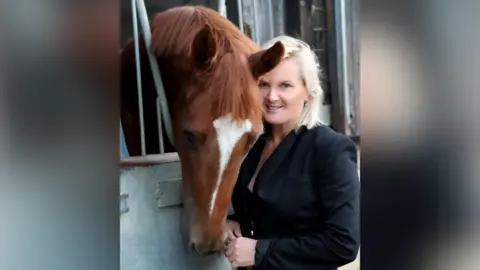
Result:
pixel 296 200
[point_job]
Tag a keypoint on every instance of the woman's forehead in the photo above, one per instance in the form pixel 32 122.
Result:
pixel 288 69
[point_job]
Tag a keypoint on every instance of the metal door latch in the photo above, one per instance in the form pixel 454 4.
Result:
pixel 124 203
pixel 169 192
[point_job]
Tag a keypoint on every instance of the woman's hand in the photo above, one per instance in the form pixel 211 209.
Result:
pixel 241 252
pixel 233 229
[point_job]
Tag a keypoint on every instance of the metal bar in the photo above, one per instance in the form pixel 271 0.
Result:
pixel 147 35
pixel 160 128
pixel 256 33
pixel 335 66
pixel 240 14
pixel 270 19
pixel 279 15
pixel 139 75
pixel 345 71
pixel 222 8
pixel 355 70
pixel 148 160
pixel 333 94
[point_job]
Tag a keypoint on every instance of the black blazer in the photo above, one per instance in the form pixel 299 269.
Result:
pixel 305 205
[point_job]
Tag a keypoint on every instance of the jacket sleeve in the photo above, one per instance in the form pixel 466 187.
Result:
pixel 337 242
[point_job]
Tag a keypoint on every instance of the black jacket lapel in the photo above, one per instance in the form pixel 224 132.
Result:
pixel 275 160
pixel 264 177
pixel 250 163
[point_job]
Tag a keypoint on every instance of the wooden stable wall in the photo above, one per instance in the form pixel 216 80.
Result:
pixel 317 22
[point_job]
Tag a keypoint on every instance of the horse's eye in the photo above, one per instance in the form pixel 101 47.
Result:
pixel 191 137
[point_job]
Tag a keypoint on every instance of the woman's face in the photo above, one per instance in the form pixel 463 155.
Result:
pixel 284 93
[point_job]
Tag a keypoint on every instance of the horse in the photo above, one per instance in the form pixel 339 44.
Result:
pixel 210 71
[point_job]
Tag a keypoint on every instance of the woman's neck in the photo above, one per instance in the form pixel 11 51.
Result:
pixel 279 132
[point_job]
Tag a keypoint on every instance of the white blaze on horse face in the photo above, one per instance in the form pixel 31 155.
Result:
pixel 229 133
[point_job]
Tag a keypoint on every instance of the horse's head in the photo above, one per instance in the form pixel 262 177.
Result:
pixel 216 123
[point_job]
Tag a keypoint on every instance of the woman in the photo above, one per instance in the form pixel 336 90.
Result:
pixel 296 200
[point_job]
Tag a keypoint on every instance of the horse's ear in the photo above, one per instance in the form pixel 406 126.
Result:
pixel 204 47
pixel 264 61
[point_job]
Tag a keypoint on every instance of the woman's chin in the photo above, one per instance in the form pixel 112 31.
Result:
pixel 273 120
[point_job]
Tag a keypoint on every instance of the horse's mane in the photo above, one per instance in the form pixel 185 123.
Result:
pixel 228 82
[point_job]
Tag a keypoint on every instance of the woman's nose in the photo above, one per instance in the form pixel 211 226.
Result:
pixel 272 95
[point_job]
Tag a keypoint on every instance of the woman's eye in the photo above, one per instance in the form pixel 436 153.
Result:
pixel 263 84
pixel 285 85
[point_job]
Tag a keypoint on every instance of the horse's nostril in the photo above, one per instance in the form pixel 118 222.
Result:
pixel 201 249
pixel 191 247
pixel 208 252
pixel 195 249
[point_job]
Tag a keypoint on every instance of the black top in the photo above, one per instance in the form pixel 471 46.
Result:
pixel 304 207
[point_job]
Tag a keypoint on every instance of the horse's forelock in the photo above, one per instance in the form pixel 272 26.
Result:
pixel 228 90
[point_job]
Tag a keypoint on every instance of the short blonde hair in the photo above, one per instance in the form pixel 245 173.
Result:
pixel 309 72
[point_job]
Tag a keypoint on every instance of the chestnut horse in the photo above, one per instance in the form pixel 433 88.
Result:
pixel 209 71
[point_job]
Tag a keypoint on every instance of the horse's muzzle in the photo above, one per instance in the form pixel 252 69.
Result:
pixel 207 248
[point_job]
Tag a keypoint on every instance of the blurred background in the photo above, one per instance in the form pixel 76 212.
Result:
pixel 407 69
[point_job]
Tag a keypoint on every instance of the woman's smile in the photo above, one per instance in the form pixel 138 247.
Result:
pixel 272 109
